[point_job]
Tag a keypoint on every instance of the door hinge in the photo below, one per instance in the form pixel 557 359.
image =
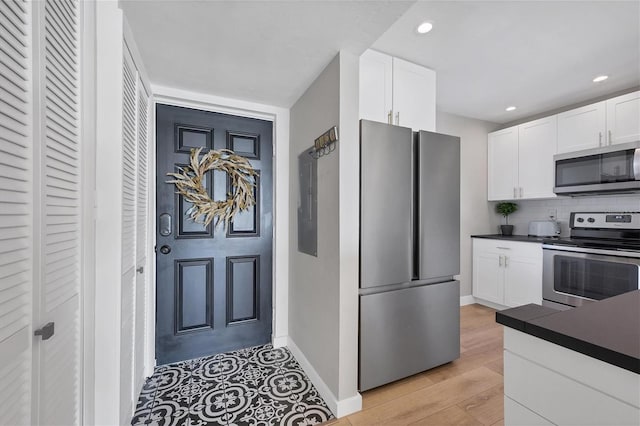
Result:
pixel 45 332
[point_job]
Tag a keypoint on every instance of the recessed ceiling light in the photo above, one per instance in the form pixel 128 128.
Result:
pixel 425 27
pixel 600 78
pixel 510 108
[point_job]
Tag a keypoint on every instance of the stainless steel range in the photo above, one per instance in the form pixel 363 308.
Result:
pixel 600 259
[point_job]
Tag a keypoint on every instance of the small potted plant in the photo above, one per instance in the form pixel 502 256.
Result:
pixel 505 209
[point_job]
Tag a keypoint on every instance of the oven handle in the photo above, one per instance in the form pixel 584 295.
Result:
pixel 616 253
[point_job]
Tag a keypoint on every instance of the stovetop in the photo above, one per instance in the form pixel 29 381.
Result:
pixel 595 243
pixel 602 230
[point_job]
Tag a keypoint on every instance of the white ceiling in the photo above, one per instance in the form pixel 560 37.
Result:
pixel 537 55
pixel 262 51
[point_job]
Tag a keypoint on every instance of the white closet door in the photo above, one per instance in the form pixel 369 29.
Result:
pixel 59 365
pixel 141 239
pixel 129 189
pixel 16 222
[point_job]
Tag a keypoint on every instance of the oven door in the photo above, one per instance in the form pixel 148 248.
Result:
pixel 574 276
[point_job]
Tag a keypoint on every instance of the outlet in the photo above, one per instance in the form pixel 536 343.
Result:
pixel 552 212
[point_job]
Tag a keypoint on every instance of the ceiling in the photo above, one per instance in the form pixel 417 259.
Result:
pixel 262 51
pixel 537 55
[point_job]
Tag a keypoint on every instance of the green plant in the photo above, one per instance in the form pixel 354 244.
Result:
pixel 505 209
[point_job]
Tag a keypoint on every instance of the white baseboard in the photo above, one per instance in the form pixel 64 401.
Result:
pixel 467 300
pixel 339 408
pixel 492 305
pixel 279 341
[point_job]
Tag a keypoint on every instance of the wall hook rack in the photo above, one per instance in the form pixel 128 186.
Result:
pixel 325 143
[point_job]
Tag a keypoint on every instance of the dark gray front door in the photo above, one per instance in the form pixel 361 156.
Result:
pixel 213 285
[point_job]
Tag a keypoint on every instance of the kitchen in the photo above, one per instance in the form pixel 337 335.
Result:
pixel 479 59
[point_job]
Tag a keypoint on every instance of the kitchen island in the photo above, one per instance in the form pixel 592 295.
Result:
pixel 580 366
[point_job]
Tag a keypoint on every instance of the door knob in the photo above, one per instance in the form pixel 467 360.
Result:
pixel 165 249
pixel 45 332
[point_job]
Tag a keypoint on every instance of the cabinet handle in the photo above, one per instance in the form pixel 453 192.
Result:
pixel 520 192
pixel 506 261
pixel 398 118
pixel 390 117
pixel 599 138
pixel 515 192
pixel 500 260
pixel 610 138
pixel 503 248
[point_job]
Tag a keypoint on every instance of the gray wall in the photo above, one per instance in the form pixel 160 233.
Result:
pixel 475 212
pixel 314 281
pixel 561 207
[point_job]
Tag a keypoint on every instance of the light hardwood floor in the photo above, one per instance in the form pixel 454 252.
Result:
pixel 468 391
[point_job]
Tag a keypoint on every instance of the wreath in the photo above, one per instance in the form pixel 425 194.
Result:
pixel 189 183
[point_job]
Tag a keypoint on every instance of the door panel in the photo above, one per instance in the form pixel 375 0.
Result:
pixel 60 154
pixel 385 204
pixel 16 208
pixel 214 286
pixel 503 164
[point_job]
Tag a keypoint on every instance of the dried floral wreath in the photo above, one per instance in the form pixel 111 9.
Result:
pixel 189 183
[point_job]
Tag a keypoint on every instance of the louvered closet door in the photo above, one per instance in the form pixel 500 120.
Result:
pixel 16 229
pixel 141 238
pixel 129 189
pixel 59 356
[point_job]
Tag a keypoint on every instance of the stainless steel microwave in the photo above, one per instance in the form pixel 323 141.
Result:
pixel 607 170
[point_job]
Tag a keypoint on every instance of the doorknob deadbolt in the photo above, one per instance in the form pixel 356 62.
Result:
pixel 165 249
pixel 140 270
pixel 45 332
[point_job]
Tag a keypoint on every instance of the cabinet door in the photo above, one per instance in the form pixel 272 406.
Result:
pixel 487 276
pixel 503 164
pixel 623 118
pixel 536 148
pixel 375 86
pixel 522 280
pixel 414 96
pixel 582 128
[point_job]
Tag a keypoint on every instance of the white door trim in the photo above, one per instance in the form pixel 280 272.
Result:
pixel 280 275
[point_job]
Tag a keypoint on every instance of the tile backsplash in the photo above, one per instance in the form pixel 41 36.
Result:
pixel 529 210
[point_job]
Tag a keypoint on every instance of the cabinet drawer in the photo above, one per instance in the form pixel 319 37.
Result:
pixel 516 414
pixel 505 247
pixel 560 399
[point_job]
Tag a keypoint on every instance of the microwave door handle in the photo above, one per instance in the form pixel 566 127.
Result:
pixel 636 164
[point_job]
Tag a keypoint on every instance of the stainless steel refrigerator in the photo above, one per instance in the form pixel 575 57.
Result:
pixel 409 252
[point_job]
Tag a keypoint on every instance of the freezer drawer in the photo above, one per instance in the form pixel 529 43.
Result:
pixel 404 332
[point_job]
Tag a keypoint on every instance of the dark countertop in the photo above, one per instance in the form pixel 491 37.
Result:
pixel 520 238
pixel 608 330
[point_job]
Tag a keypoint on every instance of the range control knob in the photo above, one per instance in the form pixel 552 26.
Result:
pixel 580 219
pixel 591 220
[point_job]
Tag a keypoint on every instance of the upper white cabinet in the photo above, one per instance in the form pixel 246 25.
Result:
pixel 623 118
pixel 582 128
pixel 521 161
pixel 503 164
pixel 536 148
pixel 397 92
pixel 616 120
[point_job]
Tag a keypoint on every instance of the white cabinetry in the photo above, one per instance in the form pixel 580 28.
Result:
pixel 616 120
pixel 623 118
pixel 536 148
pixel 396 91
pixel 582 128
pixel 520 161
pixel 507 273
pixel 564 387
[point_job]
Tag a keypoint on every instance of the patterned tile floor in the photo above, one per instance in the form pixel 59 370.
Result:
pixel 255 386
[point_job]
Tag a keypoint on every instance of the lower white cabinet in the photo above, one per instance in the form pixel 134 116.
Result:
pixel 507 273
pixel 549 384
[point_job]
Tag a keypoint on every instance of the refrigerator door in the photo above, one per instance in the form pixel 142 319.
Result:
pixel 438 245
pixel 404 332
pixel 385 204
